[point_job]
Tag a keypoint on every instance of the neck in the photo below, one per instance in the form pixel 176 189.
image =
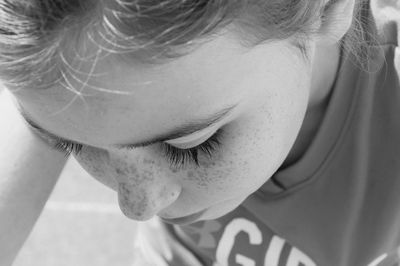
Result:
pixel 325 67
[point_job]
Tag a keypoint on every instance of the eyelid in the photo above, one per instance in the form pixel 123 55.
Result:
pixel 45 137
pixel 194 139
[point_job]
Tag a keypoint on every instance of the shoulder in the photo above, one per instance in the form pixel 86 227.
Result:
pixel 387 18
pixel 386 14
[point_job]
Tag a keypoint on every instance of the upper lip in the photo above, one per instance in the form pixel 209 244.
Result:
pixel 184 219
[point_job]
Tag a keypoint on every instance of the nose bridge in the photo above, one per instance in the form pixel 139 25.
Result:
pixel 136 169
pixel 143 188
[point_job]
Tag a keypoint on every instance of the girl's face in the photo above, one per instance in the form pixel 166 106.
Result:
pixel 242 106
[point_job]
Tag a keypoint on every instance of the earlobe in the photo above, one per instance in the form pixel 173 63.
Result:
pixel 336 20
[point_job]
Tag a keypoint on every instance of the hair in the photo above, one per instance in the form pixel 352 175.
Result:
pixel 35 34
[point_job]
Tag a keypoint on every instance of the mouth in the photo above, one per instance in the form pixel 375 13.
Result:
pixel 185 219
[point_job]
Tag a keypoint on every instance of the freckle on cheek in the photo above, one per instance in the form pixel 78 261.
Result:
pixel 190 174
pixel 92 165
pixel 148 161
pixel 148 175
pixel 201 178
pixel 133 170
pixel 174 170
pixel 119 171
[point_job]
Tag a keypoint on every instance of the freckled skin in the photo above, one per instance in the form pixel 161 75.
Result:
pixel 256 137
pixel 147 184
pixel 95 162
pixel 133 203
pixel 126 170
pixel 190 174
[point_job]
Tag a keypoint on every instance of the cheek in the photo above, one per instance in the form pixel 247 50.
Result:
pixel 112 168
pixel 230 172
pixel 212 175
pixel 96 163
pixel 258 144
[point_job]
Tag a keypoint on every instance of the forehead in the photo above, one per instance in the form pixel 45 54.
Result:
pixel 117 98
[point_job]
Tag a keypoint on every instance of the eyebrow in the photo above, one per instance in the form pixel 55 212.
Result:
pixel 185 129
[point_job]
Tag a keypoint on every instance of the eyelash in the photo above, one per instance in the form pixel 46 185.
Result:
pixel 177 157
pixel 67 147
pixel 181 157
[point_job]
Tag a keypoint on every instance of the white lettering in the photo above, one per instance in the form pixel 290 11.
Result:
pixel 378 260
pixel 274 251
pixel 244 261
pixel 227 241
pixel 296 257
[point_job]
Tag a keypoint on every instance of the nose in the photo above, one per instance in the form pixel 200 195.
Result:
pixel 142 203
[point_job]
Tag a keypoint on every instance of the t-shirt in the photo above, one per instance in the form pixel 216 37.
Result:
pixel 339 204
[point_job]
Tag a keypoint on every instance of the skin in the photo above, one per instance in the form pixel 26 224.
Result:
pixel 272 86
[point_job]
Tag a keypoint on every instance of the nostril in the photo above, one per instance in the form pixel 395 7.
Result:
pixel 170 194
pixel 141 203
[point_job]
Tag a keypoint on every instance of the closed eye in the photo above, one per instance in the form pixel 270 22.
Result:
pixel 182 157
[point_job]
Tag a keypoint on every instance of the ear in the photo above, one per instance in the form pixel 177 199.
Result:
pixel 336 20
